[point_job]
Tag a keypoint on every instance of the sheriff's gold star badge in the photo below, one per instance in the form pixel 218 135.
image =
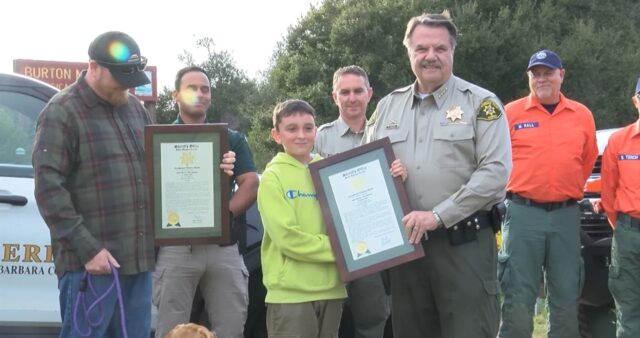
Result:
pixel 454 114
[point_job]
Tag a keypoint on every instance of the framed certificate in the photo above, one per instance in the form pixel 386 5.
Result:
pixel 363 206
pixel 189 194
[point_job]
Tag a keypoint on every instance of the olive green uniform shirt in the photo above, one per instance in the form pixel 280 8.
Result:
pixel 336 137
pixel 455 143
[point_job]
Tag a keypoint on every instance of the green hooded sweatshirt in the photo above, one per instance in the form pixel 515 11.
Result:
pixel 297 262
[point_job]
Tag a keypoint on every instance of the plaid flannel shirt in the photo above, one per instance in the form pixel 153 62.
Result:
pixel 90 180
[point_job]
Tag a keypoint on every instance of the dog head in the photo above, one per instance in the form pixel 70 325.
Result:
pixel 190 330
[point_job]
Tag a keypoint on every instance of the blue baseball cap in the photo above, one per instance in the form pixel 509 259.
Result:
pixel 546 58
pixel 638 86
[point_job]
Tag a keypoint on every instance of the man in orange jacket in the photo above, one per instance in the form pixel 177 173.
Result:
pixel 621 202
pixel 554 149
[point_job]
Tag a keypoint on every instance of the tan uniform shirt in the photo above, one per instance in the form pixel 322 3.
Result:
pixel 454 142
pixel 336 137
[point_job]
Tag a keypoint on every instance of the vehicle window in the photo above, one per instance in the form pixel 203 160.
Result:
pixel 17 127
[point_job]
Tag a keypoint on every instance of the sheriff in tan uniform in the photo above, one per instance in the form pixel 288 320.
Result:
pixel 454 140
pixel 455 144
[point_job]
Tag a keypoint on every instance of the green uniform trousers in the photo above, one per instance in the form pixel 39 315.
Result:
pixel 535 241
pixel 624 278
pixel 317 319
pixel 451 292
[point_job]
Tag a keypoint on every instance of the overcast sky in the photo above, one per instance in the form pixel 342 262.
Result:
pixel 61 30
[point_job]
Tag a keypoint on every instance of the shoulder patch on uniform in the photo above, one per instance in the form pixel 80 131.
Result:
pixel 373 117
pixel 489 110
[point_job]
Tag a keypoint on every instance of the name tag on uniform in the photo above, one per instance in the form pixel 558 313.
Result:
pixel 526 125
pixel 628 157
pixel 392 125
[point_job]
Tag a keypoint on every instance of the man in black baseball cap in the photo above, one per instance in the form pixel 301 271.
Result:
pixel 119 53
pixel 91 190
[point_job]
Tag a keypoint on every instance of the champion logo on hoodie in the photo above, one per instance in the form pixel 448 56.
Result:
pixel 292 194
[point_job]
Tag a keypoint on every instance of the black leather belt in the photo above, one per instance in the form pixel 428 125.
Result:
pixel 548 206
pixel 632 221
pixel 466 230
pixel 479 220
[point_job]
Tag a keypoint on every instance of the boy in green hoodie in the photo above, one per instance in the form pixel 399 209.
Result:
pixel 304 292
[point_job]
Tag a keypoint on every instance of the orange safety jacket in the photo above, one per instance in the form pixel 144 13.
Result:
pixel 553 154
pixel 620 175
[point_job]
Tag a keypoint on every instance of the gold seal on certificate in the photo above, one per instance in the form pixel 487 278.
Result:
pixel 173 220
pixel 361 249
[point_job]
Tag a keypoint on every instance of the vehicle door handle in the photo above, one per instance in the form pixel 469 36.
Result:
pixel 13 200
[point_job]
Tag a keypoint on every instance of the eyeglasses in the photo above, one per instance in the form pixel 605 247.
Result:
pixel 132 65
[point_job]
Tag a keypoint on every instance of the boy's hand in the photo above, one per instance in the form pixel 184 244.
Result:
pixel 398 169
pixel 228 160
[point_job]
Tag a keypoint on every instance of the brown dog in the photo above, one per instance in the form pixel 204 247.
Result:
pixel 190 330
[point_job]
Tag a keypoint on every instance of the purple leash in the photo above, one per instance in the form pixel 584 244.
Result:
pixel 86 281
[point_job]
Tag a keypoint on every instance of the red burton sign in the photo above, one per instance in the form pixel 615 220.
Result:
pixel 60 74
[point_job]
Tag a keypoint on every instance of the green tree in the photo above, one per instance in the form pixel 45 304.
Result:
pixel 231 89
pixel 339 33
pixel 166 109
pixel 597 41
pixel 335 34
pixel 259 138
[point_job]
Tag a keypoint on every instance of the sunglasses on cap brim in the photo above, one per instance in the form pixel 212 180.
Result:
pixel 128 67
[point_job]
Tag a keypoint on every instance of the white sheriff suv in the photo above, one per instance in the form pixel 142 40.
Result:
pixel 28 284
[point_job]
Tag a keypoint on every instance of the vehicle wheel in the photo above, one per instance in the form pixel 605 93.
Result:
pixel 597 322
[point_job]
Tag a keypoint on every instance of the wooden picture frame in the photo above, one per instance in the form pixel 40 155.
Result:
pixel 189 194
pixel 363 206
